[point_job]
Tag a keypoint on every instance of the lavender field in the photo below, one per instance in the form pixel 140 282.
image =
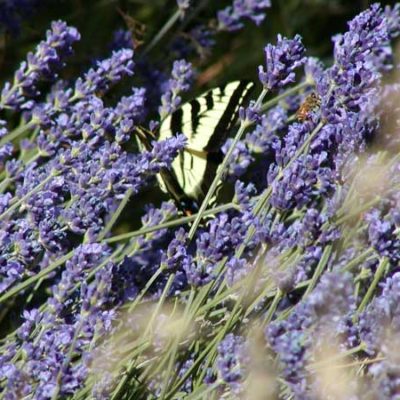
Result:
pixel 199 200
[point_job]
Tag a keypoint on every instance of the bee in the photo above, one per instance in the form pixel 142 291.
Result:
pixel 310 103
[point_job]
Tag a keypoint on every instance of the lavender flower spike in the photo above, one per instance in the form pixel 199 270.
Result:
pixel 231 361
pixel 280 62
pixel 40 65
pixel 182 76
pixel 106 73
pixel 229 19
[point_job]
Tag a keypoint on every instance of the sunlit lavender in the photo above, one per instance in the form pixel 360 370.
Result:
pixel 283 283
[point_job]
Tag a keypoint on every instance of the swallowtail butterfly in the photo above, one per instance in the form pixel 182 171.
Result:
pixel 206 122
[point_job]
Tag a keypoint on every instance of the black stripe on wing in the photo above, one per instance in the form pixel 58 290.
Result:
pixel 195 114
pixel 172 185
pixel 230 116
pixel 176 122
pixel 209 100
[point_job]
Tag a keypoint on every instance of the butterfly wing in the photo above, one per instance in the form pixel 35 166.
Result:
pixel 206 121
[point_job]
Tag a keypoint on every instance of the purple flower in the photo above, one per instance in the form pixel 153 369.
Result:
pixel 198 41
pixel 348 89
pixel 304 181
pixel 132 274
pixel 244 194
pixel 106 73
pixel 383 237
pixel 7 148
pixel 176 253
pixel 223 236
pixel 236 269
pixel 261 139
pixel 240 160
pixel 203 38
pixel 85 259
pixel 392 19
pixel 291 341
pixel 129 112
pixel 332 299
pixel 70 324
pixel 40 65
pixel 281 60
pixel 229 19
pixel 311 323
pixel 232 360
pixel 122 39
pixel 182 76
pixel 380 322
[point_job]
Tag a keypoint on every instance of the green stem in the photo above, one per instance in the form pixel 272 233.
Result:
pixel 337 357
pixel 115 216
pixel 118 393
pixel 378 275
pixel 193 13
pixel 174 349
pixel 24 198
pixel 273 102
pixel 14 134
pixel 272 307
pixel 358 260
pixel 320 268
pixel 356 212
pixel 145 289
pixel 169 224
pixel 30 281
pixel 162 32
pixel 33 292
pixel 201 394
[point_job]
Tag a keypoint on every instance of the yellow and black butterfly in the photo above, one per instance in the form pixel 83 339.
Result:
pixel 206 122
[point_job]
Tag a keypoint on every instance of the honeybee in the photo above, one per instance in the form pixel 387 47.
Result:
pixel 310 103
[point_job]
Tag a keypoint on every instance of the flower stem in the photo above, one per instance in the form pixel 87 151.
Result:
pixel 37 189
pixel 15 133
pixel 320 268
pixel 293 90
pixel 378 275
pixel 163 31
pixel 115 216
pixel 30 281
pixel 169 224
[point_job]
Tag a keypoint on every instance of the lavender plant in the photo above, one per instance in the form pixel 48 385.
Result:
pixel 103 298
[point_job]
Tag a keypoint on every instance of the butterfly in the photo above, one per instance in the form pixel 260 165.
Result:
pixel 206 121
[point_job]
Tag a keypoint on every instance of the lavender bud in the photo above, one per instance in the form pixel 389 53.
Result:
pixel 229 19
pixel 40 65
pixel 281 60
pixel 181 80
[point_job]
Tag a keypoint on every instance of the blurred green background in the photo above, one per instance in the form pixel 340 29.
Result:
pixel 315 20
